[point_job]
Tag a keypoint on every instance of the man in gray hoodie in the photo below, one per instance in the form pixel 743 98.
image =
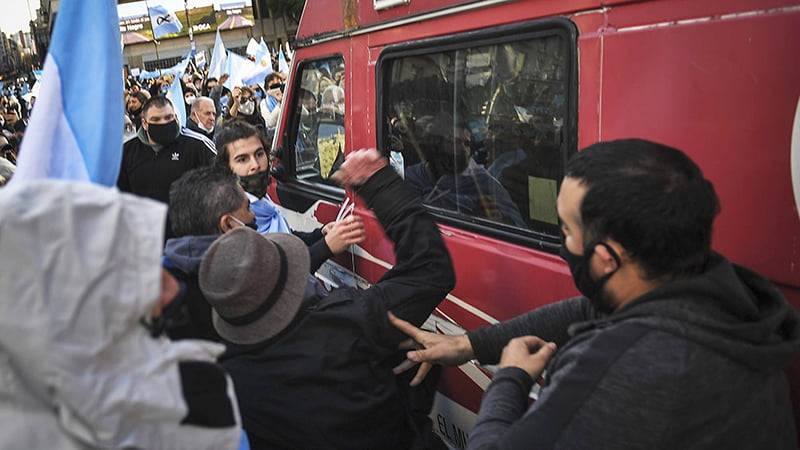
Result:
pixel 670 346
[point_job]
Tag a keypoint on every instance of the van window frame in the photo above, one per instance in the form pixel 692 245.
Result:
pixel 493 36
pixel 287 149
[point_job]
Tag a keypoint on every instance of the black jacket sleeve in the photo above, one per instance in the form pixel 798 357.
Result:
pixel 423 272
pixel 548 322
pixel 318 249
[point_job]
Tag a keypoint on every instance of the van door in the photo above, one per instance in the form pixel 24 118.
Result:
pixel 313 147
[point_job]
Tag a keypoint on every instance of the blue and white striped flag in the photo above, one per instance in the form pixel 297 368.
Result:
pixel 72 135
pixel 164 21
pixel 237 67
pixel 218 58
pixel 175 94
pixel 263 66
pixel 283 67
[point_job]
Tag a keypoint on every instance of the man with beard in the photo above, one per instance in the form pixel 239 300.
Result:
pixel 670 346
pixel 242 150
pixel 161 152
pixel 134 107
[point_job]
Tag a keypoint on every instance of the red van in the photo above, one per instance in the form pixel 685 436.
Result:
pixel 527 83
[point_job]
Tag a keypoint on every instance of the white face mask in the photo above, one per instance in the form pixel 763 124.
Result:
pixel 247 108
pixel 190 100
pixel 201 126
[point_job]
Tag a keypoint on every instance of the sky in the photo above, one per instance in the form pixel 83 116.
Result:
pixel 15 16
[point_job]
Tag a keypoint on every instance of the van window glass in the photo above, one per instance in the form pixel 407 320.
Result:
pixel 479 129
pixel 319 112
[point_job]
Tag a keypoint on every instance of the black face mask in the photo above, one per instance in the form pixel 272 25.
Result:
pixel 579 267
pixel 164 133
pixel 256 183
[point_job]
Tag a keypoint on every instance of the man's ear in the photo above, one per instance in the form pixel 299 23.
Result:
pixel 224 224
pixel 608 263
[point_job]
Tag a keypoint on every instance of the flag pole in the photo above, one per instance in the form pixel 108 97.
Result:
pixel 155 41
pixel 192 47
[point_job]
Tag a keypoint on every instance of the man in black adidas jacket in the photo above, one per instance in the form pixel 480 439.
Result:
pixel 160 153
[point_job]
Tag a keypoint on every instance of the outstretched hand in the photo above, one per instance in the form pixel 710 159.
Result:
pixel 430 348
pixel 359 166
pixel 340 235
pixel 529 353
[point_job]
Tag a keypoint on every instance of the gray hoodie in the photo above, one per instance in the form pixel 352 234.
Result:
pixel 693 364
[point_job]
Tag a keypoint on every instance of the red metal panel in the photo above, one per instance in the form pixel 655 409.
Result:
pixel 726 93
pixel 644 13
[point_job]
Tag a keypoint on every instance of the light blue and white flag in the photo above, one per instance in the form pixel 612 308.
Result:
pixel 237 67
pixel 252 47
pixel 282 66
pixel 175 94
pixel 263 66
pixel 72 135
pixel 164 21
pixel 218 58
pixel 178 69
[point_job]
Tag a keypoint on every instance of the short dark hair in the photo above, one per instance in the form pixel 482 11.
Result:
pixel 271 76
pixel 141 96
pixel 159 101
pixel 230 132
pixel 650 198
pixel 200 197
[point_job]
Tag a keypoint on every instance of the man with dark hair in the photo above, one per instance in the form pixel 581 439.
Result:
pixel 242 150
pixel 670 346
pixel 204 203
pixel 314 370
pixel 161 152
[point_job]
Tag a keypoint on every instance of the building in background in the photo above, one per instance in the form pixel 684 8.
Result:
pixel 237 20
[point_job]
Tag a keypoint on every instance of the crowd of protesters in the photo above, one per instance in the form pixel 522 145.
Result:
pixel 14 113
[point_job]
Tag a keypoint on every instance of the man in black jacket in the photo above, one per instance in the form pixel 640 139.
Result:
pixel 161 153
pixel 314 370
pixel 202 117
pixel 204 203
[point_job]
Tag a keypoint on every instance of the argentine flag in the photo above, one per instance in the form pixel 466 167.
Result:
pixel 263 66
pixel 283 67
pixel 218 58
pixel 72 135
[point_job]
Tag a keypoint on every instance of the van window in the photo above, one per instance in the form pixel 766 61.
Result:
pixel 319 134
pixel 480 130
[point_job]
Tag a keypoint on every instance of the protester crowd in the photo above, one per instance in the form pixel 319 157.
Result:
pixel 182 338
pixel 14 113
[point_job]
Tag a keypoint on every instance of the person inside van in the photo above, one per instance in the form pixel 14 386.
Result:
pixel 242 150
pixel 449 177
pixel 670 345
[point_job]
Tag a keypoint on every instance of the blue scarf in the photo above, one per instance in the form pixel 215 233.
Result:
pixel 268 218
